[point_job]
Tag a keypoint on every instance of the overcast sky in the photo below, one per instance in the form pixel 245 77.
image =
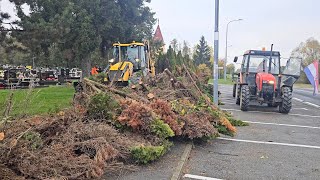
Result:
pixel 284 23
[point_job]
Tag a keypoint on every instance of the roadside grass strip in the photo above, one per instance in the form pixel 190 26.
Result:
pixel 269 143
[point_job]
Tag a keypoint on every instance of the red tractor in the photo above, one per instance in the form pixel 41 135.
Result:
pixel 262 79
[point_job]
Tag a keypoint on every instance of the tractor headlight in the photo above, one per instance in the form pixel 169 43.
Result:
pixel 111 61
pixel 268 82
pixel 137 60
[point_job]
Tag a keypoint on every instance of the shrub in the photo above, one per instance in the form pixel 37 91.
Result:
pixel 103 106
pixel 198 126
pixel 164 110
pixel 146 154
pixel 161 129
pixel 137 116
pixel 34 139
pixel 223 130
pixel 236 122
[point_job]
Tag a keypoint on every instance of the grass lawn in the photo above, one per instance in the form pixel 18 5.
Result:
pixel 37 101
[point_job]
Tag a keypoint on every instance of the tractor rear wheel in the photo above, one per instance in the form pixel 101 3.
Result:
pixel 245 98
pixel 286 104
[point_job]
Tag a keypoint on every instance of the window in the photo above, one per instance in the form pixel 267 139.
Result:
pixel 259 63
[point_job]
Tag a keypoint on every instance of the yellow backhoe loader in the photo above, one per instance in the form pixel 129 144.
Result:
pixel 130 62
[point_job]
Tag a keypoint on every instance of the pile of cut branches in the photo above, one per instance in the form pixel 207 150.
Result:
pixel 110 129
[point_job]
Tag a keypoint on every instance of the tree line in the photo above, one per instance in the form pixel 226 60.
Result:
pixel 76 32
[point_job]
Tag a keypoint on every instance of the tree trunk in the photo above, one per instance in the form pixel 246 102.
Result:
pixel 86 67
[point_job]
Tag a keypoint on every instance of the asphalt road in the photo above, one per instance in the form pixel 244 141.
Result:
pixel 274 146
pixel 306 95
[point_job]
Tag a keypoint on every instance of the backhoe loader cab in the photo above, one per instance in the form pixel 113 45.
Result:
pixel 128 59
pixel 263 79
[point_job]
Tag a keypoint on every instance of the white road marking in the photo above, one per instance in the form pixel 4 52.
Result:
pixel 301 115
pixel 288 125
pixel 301 109
pixel 311 104
pixel 270 143
pixel 199 177
pixel 307 103
pixel 297 99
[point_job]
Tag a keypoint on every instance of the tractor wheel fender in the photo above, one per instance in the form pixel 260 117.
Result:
pixel 290 87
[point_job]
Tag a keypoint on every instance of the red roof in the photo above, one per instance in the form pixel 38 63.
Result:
pixel 158 35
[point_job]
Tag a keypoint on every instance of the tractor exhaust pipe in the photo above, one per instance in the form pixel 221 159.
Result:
pixel 270 60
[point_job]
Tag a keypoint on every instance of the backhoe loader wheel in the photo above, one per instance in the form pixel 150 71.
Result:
pixel 238 95
pixel 286 104
pixel 244 98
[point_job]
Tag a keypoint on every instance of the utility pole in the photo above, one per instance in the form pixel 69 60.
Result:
pixel 33 63
pixel 216 55
pixel 226 58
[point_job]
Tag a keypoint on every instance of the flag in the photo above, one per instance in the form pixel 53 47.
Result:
pixel 312 72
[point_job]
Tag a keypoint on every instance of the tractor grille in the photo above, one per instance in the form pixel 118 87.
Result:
pixel 268 88
pixel 268 91
pixel 114 74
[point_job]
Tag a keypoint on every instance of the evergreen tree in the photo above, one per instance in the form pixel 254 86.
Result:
pixel 171 56
pixel 179 59
pixel 175 45
pixel 202 53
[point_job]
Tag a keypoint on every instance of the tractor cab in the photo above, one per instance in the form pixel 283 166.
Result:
pixel 128 59
pixel 264 78
pixel 259 70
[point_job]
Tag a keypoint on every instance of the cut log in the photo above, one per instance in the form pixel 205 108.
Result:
pixel 151 96
pixel 1 136
pixel 207 99
pixel 179 84
pixel 144 87
pixel 121 93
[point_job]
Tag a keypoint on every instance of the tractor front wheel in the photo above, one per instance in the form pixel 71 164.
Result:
pixel 286 104
pixel 238 94
pixel 244 98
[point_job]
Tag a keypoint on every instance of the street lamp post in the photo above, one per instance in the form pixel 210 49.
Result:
pixel 226 58
pixel 216 54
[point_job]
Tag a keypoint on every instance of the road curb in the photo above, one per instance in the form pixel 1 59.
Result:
pixel 177 172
